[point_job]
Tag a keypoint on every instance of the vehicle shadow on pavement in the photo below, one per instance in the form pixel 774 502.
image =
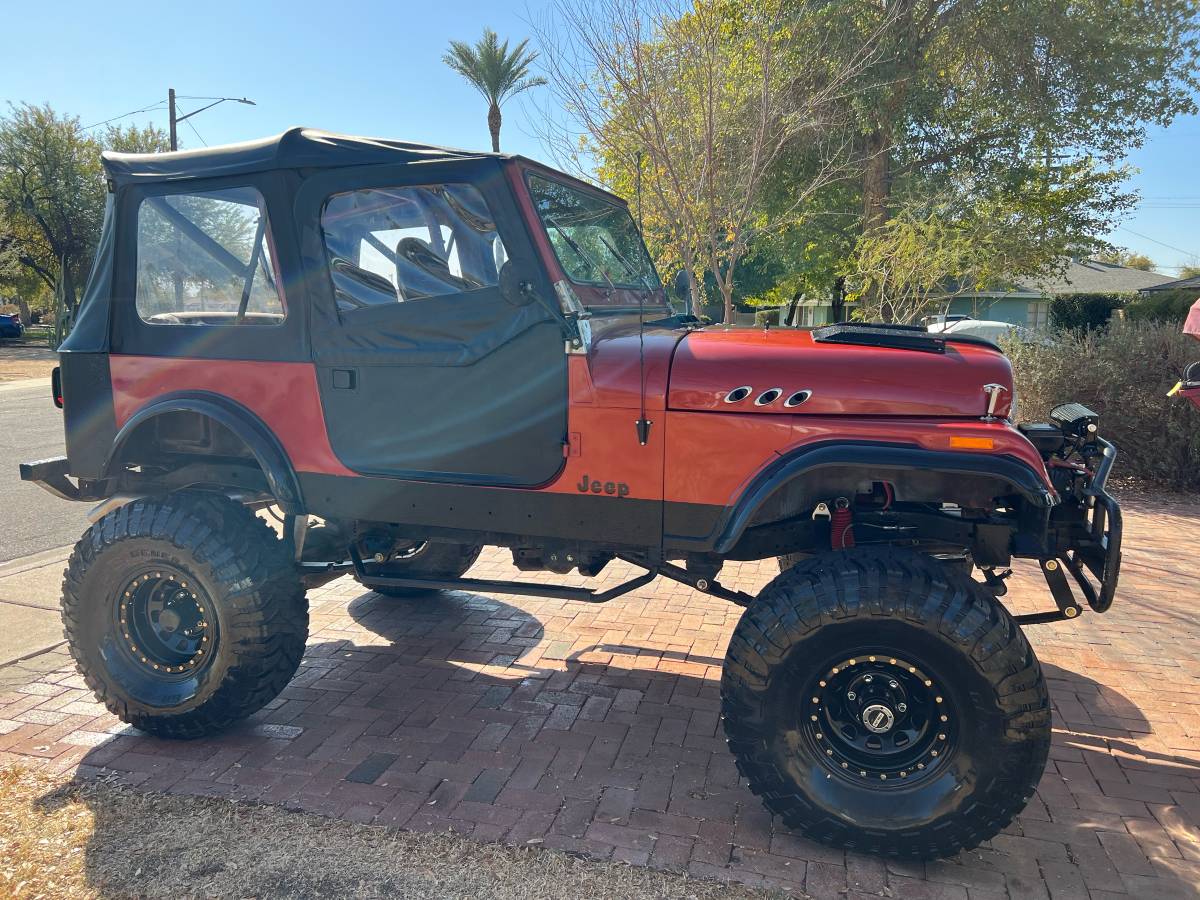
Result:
pixel 460 712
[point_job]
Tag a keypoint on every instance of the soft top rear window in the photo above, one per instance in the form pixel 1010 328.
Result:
pixel 595 240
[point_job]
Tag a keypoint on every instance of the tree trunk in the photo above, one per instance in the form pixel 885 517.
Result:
pixel 876 188
pixel 839 300
pixel 23 309
pixel 696 293
pixel 68 290
pixel 876 191
pixel 727 297
pixel 494 126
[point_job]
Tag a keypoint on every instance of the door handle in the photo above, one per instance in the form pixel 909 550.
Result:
pixel 345 379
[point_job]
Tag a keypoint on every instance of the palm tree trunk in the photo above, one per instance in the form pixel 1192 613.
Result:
pixel 494 126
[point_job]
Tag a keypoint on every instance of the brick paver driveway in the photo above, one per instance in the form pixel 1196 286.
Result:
pixel 596 729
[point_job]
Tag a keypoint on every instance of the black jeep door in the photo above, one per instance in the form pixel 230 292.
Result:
pixel 426 371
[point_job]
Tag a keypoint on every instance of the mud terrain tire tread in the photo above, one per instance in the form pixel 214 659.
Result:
pixel 878 584
pixel 265 614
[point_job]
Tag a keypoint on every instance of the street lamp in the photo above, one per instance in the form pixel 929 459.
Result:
pixel 176 119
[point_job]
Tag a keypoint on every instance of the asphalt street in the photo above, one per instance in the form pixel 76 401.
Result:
pixel 32 520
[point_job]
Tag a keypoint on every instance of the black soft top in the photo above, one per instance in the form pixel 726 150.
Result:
pixel 296 148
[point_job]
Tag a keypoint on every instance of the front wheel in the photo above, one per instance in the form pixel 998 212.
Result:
pixel 880 702
pixel 184 614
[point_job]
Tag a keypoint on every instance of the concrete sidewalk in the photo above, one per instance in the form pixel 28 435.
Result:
pixel 29 593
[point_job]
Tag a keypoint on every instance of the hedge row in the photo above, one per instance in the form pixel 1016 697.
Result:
pixel 1123 372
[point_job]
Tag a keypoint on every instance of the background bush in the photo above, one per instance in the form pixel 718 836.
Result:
pixel 1123 372
pixel 1083 312
pixel 766 314
pixel 1162 306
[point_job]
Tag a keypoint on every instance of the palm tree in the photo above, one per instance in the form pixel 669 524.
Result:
pixel 495 72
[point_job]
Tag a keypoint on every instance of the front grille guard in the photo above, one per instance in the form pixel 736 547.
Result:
pixel 1101 555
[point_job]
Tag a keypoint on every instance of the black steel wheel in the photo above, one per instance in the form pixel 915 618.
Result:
pixel 184 614
pixel 878 701
pixel 167 622
pixel 877 715
pixel 426 559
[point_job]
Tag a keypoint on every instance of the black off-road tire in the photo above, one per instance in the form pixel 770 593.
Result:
pixel 840 616
pixel 788 560
pixel 229 568
pixel 432 560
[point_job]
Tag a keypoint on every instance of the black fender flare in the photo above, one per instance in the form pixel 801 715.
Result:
pixel 268 452
pixel 828 454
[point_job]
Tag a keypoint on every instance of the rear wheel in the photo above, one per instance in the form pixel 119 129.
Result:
pixel 426 560
pixel 791 559
pixel 184 614
pixel 878 701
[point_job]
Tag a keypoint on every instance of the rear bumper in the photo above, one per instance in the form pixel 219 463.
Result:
pixel 53 475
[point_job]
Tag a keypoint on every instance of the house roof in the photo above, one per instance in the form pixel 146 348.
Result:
pixel 1091 276
pixel 1183 284
pixel 1085 276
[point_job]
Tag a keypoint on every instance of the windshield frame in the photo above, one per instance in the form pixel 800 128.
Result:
pixel 654 283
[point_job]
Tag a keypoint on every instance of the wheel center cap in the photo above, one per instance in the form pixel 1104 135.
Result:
pixel 878 718
pixel 169 620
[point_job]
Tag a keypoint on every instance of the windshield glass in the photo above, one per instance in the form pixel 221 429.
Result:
pixel 592 237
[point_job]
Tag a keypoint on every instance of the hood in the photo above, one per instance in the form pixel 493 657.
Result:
pixel 840 379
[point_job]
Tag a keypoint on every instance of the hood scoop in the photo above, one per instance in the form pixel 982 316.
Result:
pixel 902 337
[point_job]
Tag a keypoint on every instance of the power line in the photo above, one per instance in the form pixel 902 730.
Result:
pixel 157 105
pixel 1147 237
pixel 195 132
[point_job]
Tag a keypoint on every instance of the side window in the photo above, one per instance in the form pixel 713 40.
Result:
pixel 206 259
pixel 389 245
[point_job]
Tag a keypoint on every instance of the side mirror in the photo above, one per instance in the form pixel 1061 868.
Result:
pixel 515 289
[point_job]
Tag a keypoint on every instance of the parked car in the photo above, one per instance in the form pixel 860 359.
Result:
pixel 412 352
pixel 988 330
pixel 941 322
pixel 11 325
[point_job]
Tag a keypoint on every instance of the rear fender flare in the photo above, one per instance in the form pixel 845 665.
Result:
pixel 829 454
pixel 268 452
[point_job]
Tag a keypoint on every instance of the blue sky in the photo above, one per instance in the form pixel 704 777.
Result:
pixel 375 68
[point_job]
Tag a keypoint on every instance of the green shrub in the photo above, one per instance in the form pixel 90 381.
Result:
pixel 1162 306
pixel 765 315
pixel 1123 373
pixel 1083 312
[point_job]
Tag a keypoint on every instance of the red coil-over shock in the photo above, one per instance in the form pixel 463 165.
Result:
pixel 841 525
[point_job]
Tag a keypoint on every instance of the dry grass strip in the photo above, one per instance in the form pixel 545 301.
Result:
pixel 75 839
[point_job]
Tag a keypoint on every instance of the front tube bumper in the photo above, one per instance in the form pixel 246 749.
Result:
pixel 1094 558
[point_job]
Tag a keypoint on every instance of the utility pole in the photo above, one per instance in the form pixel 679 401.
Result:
pixel 176 118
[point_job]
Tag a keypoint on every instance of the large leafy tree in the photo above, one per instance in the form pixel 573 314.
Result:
pixel 52 195
pixel 988 138
pixel 1004 123
pixel 495 71
pixel 691 106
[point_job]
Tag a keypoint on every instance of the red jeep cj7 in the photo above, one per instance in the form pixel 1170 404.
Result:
pixel 411 352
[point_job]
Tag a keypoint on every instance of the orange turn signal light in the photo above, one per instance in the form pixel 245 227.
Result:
pixel 972 443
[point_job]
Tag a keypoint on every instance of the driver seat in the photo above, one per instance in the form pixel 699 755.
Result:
pixel 421 272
